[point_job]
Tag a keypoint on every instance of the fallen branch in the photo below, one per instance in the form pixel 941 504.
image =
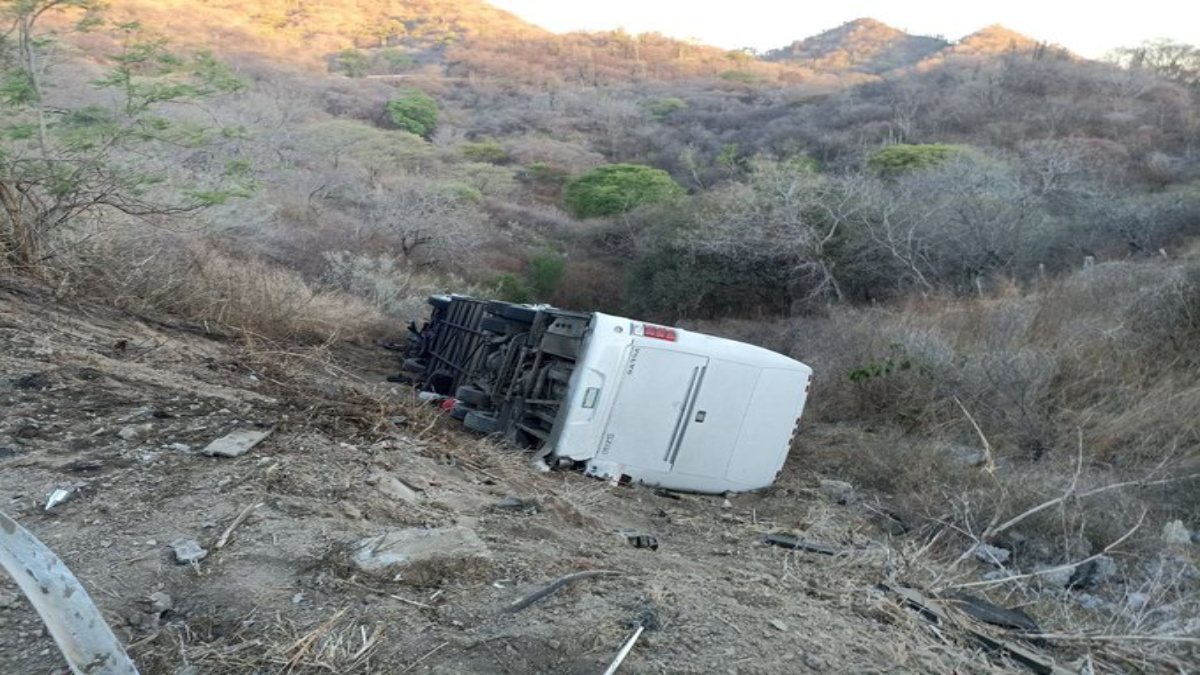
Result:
pixel 989 463
pixel 414 603
pixel 553 586
pixel 241 518
pixel 428 654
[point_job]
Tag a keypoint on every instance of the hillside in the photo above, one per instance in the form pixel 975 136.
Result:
pixel 350 458
pixel 311 33
pixel 862 45
pixel 872 47
pixel 394 38
pixel 986 250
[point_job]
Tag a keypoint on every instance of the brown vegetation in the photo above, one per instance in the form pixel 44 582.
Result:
pixel 969 373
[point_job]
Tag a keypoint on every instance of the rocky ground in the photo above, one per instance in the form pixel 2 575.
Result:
pixel 116 412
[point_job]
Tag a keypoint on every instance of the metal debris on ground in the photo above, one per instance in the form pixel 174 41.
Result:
pixel 640 539
pixel 988 612
pixel 58 496
pixel 72 619
pixel 646 621
pixel 797 544
pixel 953 615
pixel 236 443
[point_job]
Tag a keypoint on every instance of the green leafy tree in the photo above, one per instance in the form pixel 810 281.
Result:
pixel 663 108
pixel 545 272
pixel 509 288
pixel 618 188
pixel 414 111
pixel 62 166
pixel 352 62
pixel 903 158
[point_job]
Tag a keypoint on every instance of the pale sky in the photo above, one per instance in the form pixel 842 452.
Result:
pixel 1086 28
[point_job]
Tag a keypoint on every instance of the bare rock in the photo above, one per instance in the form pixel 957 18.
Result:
pixel 419 554
pixel 132 432
pixel 838 491
pixel 1089 601
pixel 1094 572
pixel 968 455
pixel 992 555
pixel 1136 601
pixel 236 443
pixel 1175 533
pixel 188 551
pixel 393 487
pixel 1059 578
pixel 161 602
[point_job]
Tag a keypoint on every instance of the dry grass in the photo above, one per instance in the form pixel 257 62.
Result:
pixel 222 291
pixel 1086 394
pixel 339 643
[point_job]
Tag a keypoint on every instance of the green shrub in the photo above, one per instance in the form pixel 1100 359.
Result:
pixel 663 107
pixel 545 272
pixel 739 76
pixel 618 188
pixel 414 111
pixel 902 157
pixel 488 151
pixel 351 62
pixel 510 288
pixel 396 61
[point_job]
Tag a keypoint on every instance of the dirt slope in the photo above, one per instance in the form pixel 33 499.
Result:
pixel 118 408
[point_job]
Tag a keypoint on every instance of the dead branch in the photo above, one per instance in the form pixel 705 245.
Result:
pixel 241 518
pixel 428 654
pixel 989 462
pixel 1058 568
pixel 991 532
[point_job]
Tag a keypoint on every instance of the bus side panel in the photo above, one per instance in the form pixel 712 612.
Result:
pixel 770 419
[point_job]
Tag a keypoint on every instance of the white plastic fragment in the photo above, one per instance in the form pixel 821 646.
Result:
pixel 58 496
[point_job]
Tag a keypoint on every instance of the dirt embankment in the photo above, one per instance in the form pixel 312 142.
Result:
pixel 117 411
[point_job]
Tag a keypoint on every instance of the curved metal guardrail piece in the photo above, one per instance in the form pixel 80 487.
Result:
pixel 83 636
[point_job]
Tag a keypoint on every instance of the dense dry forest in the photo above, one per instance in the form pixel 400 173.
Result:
pixel 990 226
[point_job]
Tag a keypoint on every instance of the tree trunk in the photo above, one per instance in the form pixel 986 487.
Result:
pixel 29 53
pixel 17 246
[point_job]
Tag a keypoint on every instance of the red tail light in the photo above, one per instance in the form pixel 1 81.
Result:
pixel 660 333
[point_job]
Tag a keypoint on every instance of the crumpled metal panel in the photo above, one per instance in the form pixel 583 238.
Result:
pixel 83 636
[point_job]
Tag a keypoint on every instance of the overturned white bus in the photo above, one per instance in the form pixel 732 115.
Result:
pixel 620 399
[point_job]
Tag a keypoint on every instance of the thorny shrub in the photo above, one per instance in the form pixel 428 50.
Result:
pixel 1096 373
